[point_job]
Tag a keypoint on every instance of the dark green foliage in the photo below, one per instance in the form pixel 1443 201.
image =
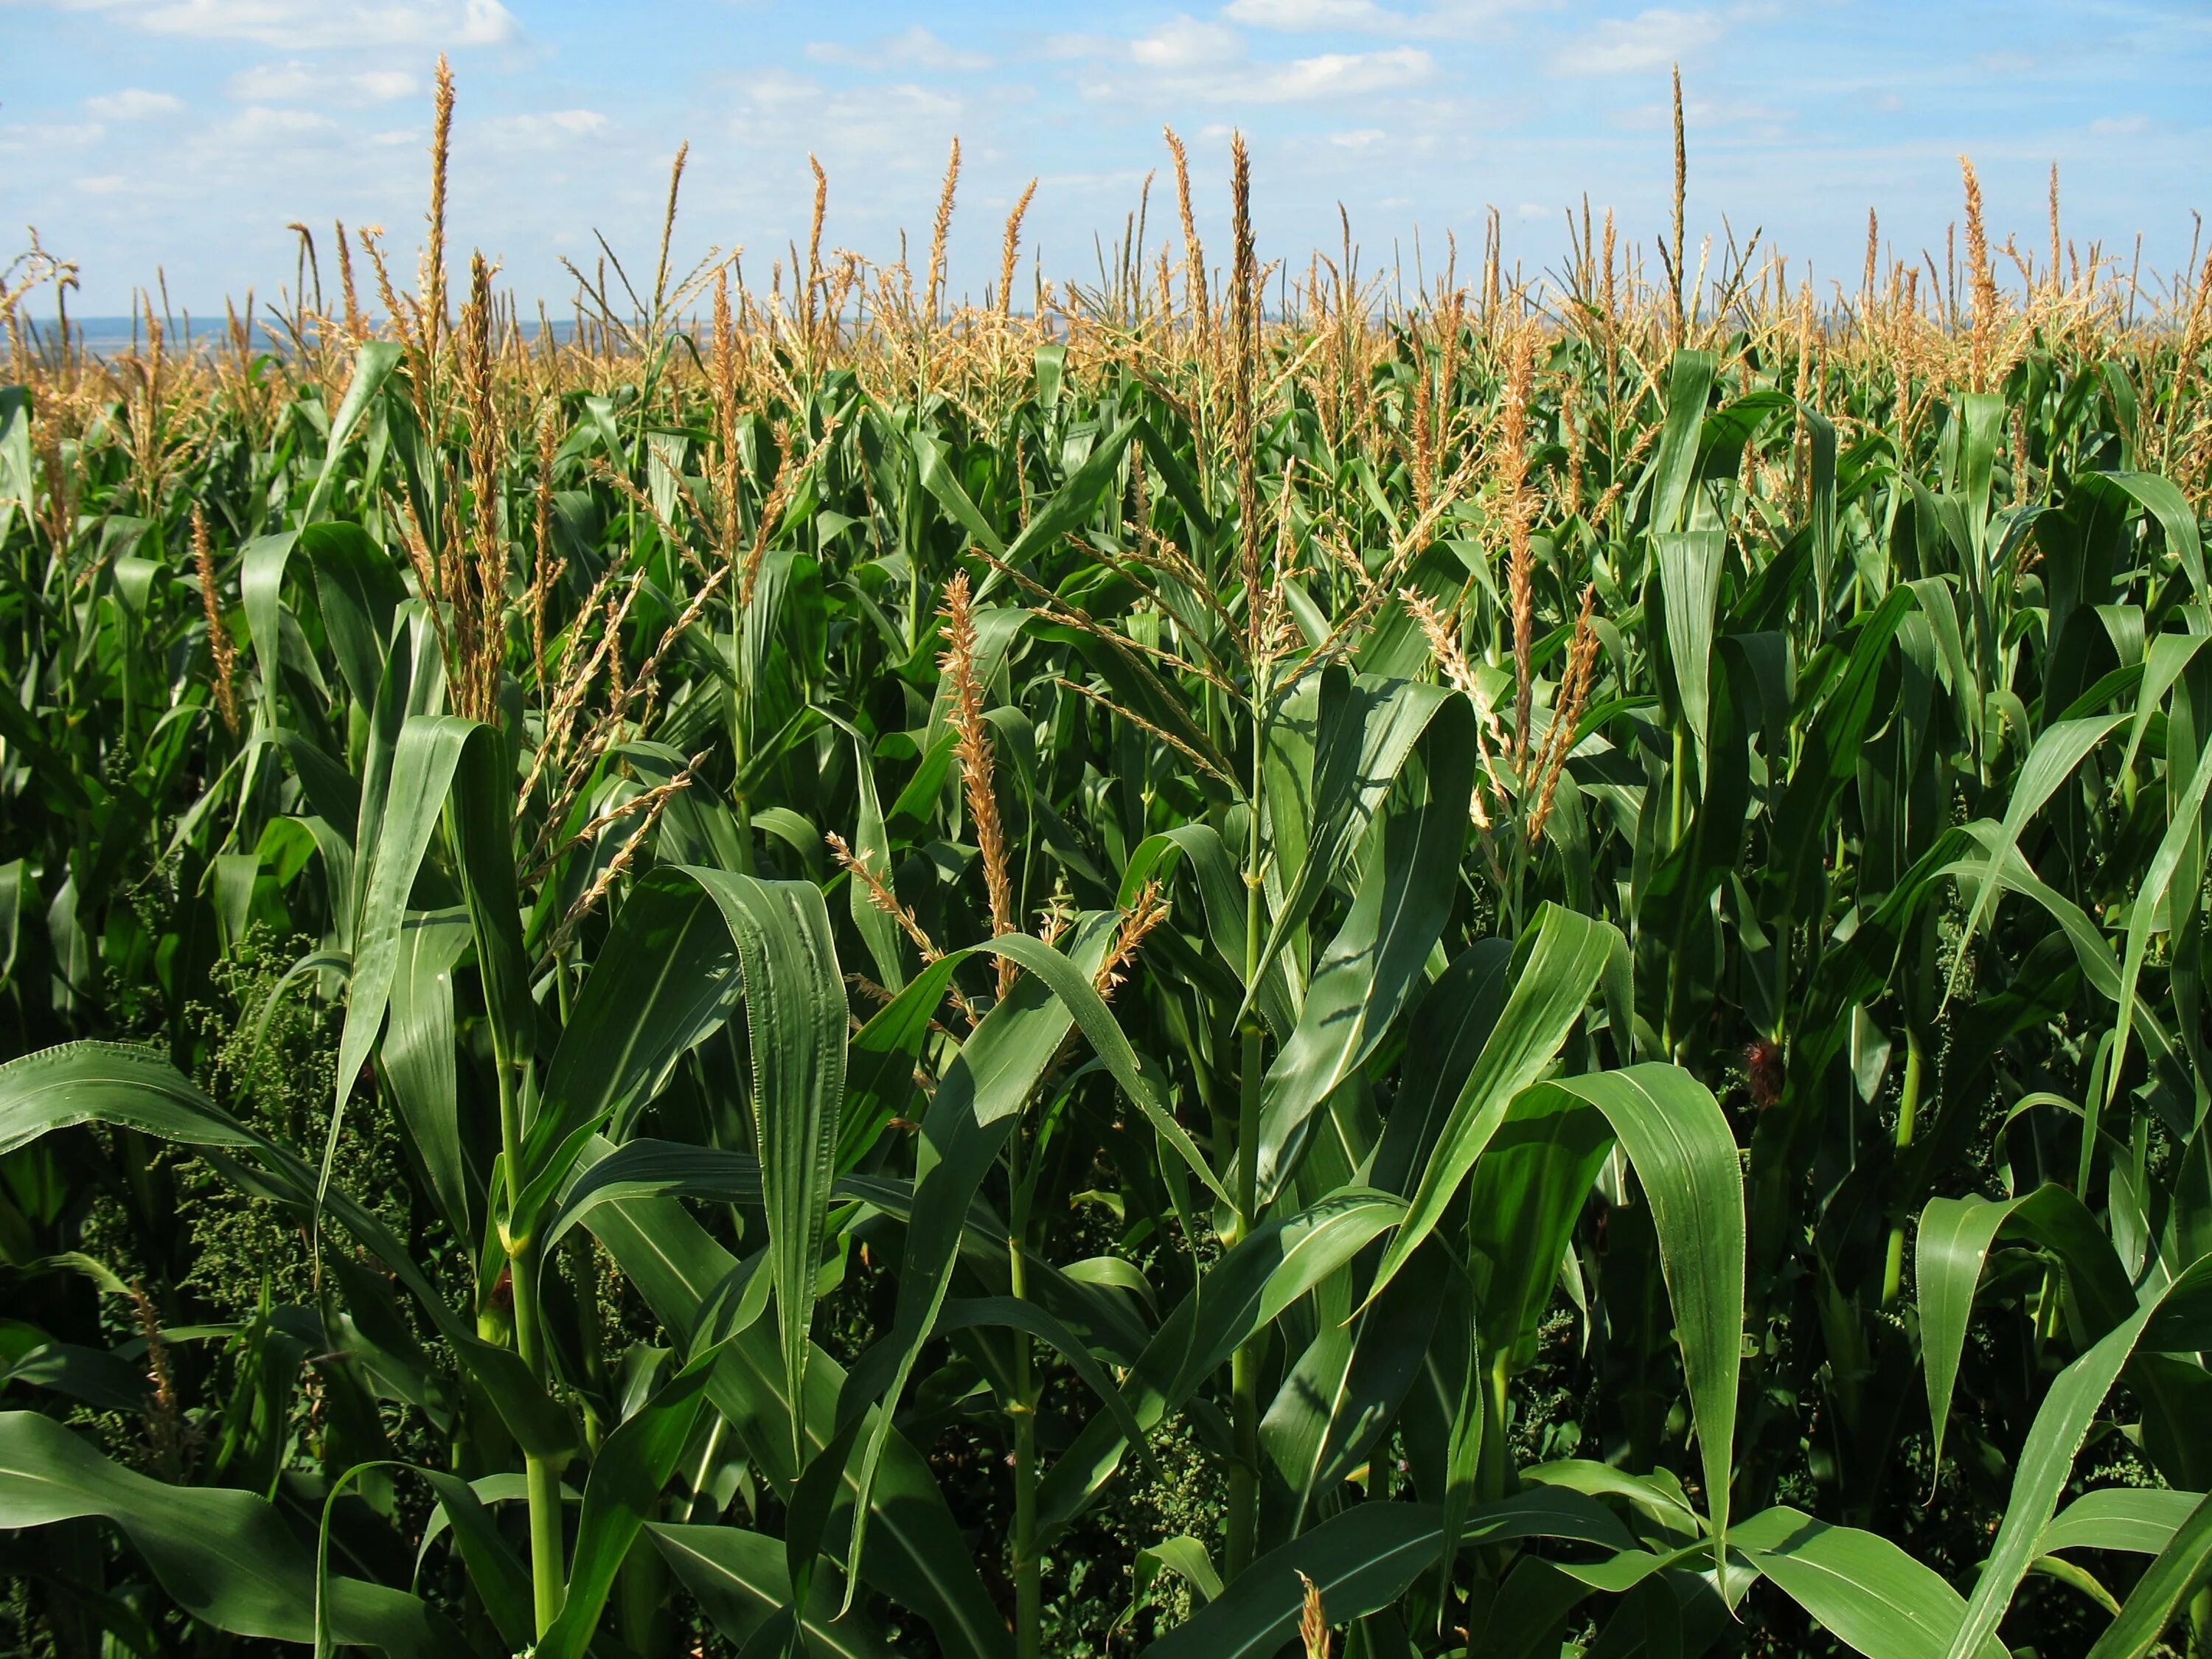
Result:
pixel 842 992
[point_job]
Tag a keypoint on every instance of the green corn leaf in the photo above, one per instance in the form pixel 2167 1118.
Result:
pixel 359 591
pixel 1566 957
pixel 1675 467
pixel 795 1014
pixel 79 1082
pixel 82 1083
pixel 1362 1559
pixel 2139 1519
pixel 656 1169
pixel 939 478
pixel 1445 1036
pixel 1686 1162
pixel 1368 730
pixel 18 488
pixel 424 762
pixel 2057 755
pixel 417 1060
pixel 2179 1320
pixel 1371 969
pixel 740 1583
pixel 260 589
pixel 2176 866
pixel 1865 1591
pixel 1014 1314
pixel 1689 563
pixel 494 1573
pixel 1088 1010
pixel 1527 1191
pixel 973 1112
pixel 1282 1260
pixel 1952 1243
pixel 372 363
pixel 668 976
pixel 919 1558
pixel 2177 1572
pixel 622 1493
pixel 1320 1434
pixel 1659 1496
pixel 871 846
pixel 1185 1557
pixel 1221 892
pixel 225 1556
pixel 2159 498
pixel 1074 501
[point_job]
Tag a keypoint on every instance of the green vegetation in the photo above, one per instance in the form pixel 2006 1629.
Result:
pixel 1428 978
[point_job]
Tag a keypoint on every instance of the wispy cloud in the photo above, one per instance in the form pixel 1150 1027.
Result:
pixel 902 128
pixel 1437 20
pixel 1311 14
pixel 914 49
pixel 295 82
pixel 133 104
pixel 37 138
pixel 317 25
pixel 544 129
pixel 1704 115
pixel 257 123
pixel 1649 40
pixel 1188 59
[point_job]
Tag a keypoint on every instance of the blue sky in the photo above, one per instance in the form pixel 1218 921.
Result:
pixel 186 134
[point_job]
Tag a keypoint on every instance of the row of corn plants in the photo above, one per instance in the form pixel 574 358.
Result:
pixel 816 973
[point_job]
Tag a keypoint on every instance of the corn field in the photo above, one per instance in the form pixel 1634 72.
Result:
pixel 1223 961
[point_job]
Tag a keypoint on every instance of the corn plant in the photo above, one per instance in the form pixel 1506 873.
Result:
pixel 1536 955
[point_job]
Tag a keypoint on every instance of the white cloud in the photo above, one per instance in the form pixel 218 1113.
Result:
pixel 259 122
pixel 902 127
pixel 1702 112
pixel 1436 20
pixel 2119 126
pixel 295 82
pixel 1648 41
pixel 382 86
pixel 1188 59
pixel 917 48
pixel 1186 43
pixel 22 140
pixel 544 129
pixel 133 104
pixel 1345 74
pixel 1302 14
pixel 1361 139
pixel 275 83
pixel 316 25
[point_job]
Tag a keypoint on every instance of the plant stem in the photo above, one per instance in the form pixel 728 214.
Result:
pixel 547 1568
pixel 1029 1589
pixel 740 722
pixel 1892 1269
pixel 1678 781
pixel 1244 1364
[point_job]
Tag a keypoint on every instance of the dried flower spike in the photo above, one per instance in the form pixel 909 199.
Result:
pixel 972 743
